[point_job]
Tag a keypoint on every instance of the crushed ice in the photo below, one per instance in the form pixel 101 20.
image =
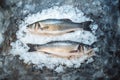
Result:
pixel 20 48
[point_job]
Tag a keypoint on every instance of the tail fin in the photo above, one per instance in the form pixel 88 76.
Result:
pixel 86 25
pixel 32 47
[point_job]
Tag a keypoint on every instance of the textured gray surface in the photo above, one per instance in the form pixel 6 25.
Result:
pixel 106 64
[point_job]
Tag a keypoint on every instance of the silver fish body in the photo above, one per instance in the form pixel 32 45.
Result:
pixel 61 49
pixel 59 24
pixel 64 46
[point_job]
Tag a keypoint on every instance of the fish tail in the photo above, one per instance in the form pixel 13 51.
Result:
pixel 32 47
pixel 86 25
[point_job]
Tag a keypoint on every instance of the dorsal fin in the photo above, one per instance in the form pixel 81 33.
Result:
pixel 61 20
pixel 66 20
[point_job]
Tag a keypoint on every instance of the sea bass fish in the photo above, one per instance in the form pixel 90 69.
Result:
pixel 59 25
pixel 65 50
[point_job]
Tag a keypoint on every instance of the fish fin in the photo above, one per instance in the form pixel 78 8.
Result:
pixel 85 25
pixel 32 47
pixel 70 31
pixel 44 52
pixel 73 51
pixel 66 20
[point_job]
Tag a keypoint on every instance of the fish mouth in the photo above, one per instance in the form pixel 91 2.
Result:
pixel 62 50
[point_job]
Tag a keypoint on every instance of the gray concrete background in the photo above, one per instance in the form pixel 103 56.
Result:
pixel 106 65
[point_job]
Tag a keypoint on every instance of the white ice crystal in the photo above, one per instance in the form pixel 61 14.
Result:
pixel 20 48
pixel 1 38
